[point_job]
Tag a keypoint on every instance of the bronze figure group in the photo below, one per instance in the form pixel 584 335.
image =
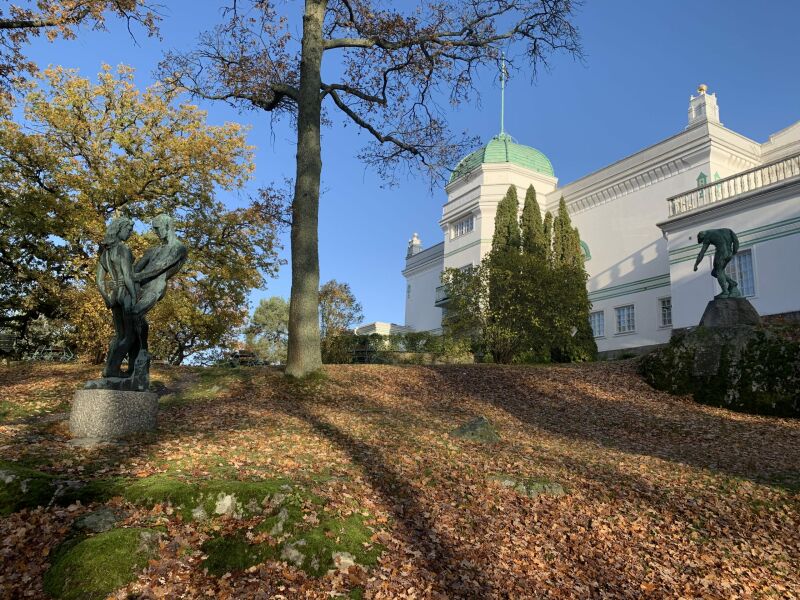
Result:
pixel 130 289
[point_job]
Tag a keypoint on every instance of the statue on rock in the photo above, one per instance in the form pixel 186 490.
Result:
pixel 726 245
pixel 130 290
pixel 728 308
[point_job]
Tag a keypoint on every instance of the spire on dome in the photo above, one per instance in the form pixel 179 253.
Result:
pixel 503 77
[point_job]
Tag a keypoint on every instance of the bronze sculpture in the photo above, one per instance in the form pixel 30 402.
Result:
pixel 131 291
pixel 726 245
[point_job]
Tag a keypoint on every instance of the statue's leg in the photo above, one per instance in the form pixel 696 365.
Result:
pixel 152 292
pixel 144 331
pixel 722 277
pixel 124 345
pixel 113 366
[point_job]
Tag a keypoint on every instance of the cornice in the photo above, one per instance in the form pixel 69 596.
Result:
pixel 637 171
pixel 430 257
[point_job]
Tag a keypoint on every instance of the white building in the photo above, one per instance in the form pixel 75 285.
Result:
pixel 638 219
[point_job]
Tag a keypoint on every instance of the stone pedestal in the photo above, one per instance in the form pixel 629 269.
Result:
pixel 729 312
pixel 110 414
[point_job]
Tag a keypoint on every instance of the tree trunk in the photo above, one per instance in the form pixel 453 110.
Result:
pixel 304 348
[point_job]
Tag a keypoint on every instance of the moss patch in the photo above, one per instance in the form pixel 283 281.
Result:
pixel 88 568
pixel 315 545
pixel 21 487
pixel 332 537
pixel 199 500
pixel 226 554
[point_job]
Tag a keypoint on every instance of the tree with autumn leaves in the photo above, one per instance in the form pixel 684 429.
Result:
pixel 527 300
pixel 24 20
pixel 85 151
pixel 395 65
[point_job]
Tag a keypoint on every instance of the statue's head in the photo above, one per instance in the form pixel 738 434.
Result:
pixel 163 226
pixel 119 229
pixel 701 237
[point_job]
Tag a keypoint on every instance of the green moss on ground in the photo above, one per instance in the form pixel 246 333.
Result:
pixel 91 568
pixel 212 382
pixel 226 554
pixel 207 498
pixel 313 548
pixel 21 487
pixel 335 535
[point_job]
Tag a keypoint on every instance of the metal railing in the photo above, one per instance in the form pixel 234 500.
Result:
pixel 441 295
pixel 746 181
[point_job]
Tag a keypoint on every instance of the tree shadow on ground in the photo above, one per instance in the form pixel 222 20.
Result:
pixel 577 403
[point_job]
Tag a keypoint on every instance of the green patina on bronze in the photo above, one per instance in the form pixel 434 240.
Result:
pixel 131 289
pixel 726 245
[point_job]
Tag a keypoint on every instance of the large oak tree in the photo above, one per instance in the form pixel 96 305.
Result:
pixel 23 20
pixel 393 68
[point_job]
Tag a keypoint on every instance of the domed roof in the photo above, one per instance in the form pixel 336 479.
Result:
pixel 503 149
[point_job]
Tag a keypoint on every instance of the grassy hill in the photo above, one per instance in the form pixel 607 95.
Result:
pixel 352 484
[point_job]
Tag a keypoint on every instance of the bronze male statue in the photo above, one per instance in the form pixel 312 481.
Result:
pixel 151 272
pixel 134 289
pixel 726 245
pixel 115 281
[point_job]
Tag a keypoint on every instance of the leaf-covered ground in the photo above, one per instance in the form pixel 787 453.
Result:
pixel 664 497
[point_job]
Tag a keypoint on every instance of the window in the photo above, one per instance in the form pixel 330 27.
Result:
pixel 408 291
pixel 463 227
pixel 587 255
pixel 626 320
pixel 597 320
pixel 741 270
pixel 665 312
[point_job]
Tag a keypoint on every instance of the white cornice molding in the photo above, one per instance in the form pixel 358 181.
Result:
pixel 454 193
pixel 632 173
pixel 655 163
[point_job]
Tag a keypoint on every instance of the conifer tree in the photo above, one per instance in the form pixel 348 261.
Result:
pixel 507 235
pixel 534 241
pixel 548 235
pixel 572 341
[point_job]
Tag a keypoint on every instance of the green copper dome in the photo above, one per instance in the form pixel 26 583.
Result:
pixel 503 149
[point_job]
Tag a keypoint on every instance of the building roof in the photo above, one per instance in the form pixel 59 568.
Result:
pixel 503 149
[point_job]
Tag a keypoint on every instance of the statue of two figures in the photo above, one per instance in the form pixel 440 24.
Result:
pixel 726 245
pixel 130 289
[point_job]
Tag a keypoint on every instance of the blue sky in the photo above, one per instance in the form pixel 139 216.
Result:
pixel 642 61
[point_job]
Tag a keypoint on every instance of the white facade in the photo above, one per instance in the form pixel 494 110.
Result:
pixel 620 212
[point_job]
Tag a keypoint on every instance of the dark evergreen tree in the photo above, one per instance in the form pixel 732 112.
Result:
pixel 507 235
pixel 534 241
pixel 573 341
pixel 548 235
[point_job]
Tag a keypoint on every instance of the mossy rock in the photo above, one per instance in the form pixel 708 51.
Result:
pixel 21 487
pixel 332 542
pixel 479 429
pixel 91 568
pixel 747 369
pixel 529 486
pixel 204 499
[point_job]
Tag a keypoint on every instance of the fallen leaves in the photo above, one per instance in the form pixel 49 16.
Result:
pixel 665 498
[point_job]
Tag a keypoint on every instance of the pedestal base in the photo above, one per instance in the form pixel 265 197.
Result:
pixel 109 414
pixel 729 312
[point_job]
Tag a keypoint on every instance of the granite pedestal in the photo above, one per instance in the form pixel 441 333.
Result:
pixel 110 414
pixel 730 312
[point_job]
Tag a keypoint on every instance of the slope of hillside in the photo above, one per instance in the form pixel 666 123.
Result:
pixel 352 484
